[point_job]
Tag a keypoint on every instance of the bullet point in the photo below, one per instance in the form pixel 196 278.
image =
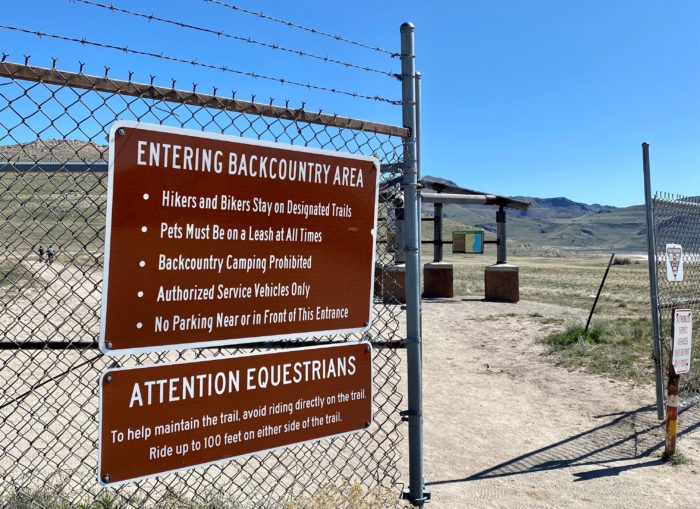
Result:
pixel 145 196
pixel 139 325
pixel 144 229
pixel 142 264
pixel 140 294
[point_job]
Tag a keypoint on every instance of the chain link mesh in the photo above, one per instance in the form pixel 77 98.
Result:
pixel 677 221
pixel 53 183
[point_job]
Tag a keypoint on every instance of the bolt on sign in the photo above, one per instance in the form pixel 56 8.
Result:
pixel 214 239
pixel 682 340
pixel 168 417
pixel 674 262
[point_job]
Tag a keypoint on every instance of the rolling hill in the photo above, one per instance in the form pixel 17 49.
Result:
pixel 563 224
pixel 550 223
pixel 51 150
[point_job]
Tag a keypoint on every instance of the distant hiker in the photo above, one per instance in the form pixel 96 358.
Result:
pixel 41 253
pixel 49 255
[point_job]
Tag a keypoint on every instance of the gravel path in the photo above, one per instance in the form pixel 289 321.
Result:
pixel 505 427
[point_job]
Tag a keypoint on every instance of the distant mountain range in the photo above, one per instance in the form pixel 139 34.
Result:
pixel 561 223
pixel 562 208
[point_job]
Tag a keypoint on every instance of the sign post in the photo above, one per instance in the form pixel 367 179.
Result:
pixel 679 363
pixel 215 240
pixel 169 417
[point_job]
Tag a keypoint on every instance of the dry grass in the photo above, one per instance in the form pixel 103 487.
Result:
pixel 55 496
pixel 622 261
pixel 568 281
pixel 619 344
pixel 679 459
pixel 620 348
pixel 349 497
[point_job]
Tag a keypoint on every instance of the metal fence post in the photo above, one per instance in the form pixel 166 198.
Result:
pixel 415 493
pixel 674 382
pixel 418 80
pixel 501 252
pixel 437 232
pixel 653 283
pixel 400 235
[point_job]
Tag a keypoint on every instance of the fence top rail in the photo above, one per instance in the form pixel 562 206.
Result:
pixel 106 84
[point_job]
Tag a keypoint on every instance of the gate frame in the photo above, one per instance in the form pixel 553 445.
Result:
pixel 653 285
pixel 410 89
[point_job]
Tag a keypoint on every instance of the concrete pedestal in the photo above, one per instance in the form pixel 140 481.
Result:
pixel 390 284
pixel 502 283
pixel 438 280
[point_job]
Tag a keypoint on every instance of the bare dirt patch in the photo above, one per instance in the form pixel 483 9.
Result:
pixel 505 427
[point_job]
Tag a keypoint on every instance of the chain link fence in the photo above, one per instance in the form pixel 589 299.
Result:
pixel 53 183
pixel 677 221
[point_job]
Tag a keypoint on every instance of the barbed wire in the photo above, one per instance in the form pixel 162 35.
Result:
pixel 195 63
pixel 249 40
pixel 291 24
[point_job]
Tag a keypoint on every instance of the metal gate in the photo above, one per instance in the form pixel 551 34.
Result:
pixel 53 128
pixel 673 220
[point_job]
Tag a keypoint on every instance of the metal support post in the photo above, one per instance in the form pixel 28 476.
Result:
pixel 419 76
pixel 600 290
pixel 400 236
pixel 415 493
pixel 501 235
pixel 437 232
pixel 674 382
pixel 653 283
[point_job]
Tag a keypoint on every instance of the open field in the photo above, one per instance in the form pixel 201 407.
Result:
pixel 505 426
pixel 572 280
pixel 65 209
pixel 620 342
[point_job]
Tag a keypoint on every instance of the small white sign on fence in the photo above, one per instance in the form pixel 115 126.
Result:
pixel 682 340
pixel 674 262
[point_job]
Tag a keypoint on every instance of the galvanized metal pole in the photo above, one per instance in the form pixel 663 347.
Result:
pixel 419 77
pixel 600 290
pixel 501 236
pixel 437 232
pixel 674 383
pixel 400 236
pixel 415 493
pixel 653 283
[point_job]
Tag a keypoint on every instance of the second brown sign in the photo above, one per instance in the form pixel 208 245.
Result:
pixel 169 417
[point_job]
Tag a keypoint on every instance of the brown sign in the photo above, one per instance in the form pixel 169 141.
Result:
pixel 215 239
pixel 169 417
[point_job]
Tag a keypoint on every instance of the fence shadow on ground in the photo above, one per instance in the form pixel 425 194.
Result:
pixel 623 436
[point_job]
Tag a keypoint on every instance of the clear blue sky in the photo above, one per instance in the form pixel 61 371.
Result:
pixel 539 98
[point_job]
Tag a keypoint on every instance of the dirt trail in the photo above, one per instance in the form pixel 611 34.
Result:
pixel 60 304
pixel 506 428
